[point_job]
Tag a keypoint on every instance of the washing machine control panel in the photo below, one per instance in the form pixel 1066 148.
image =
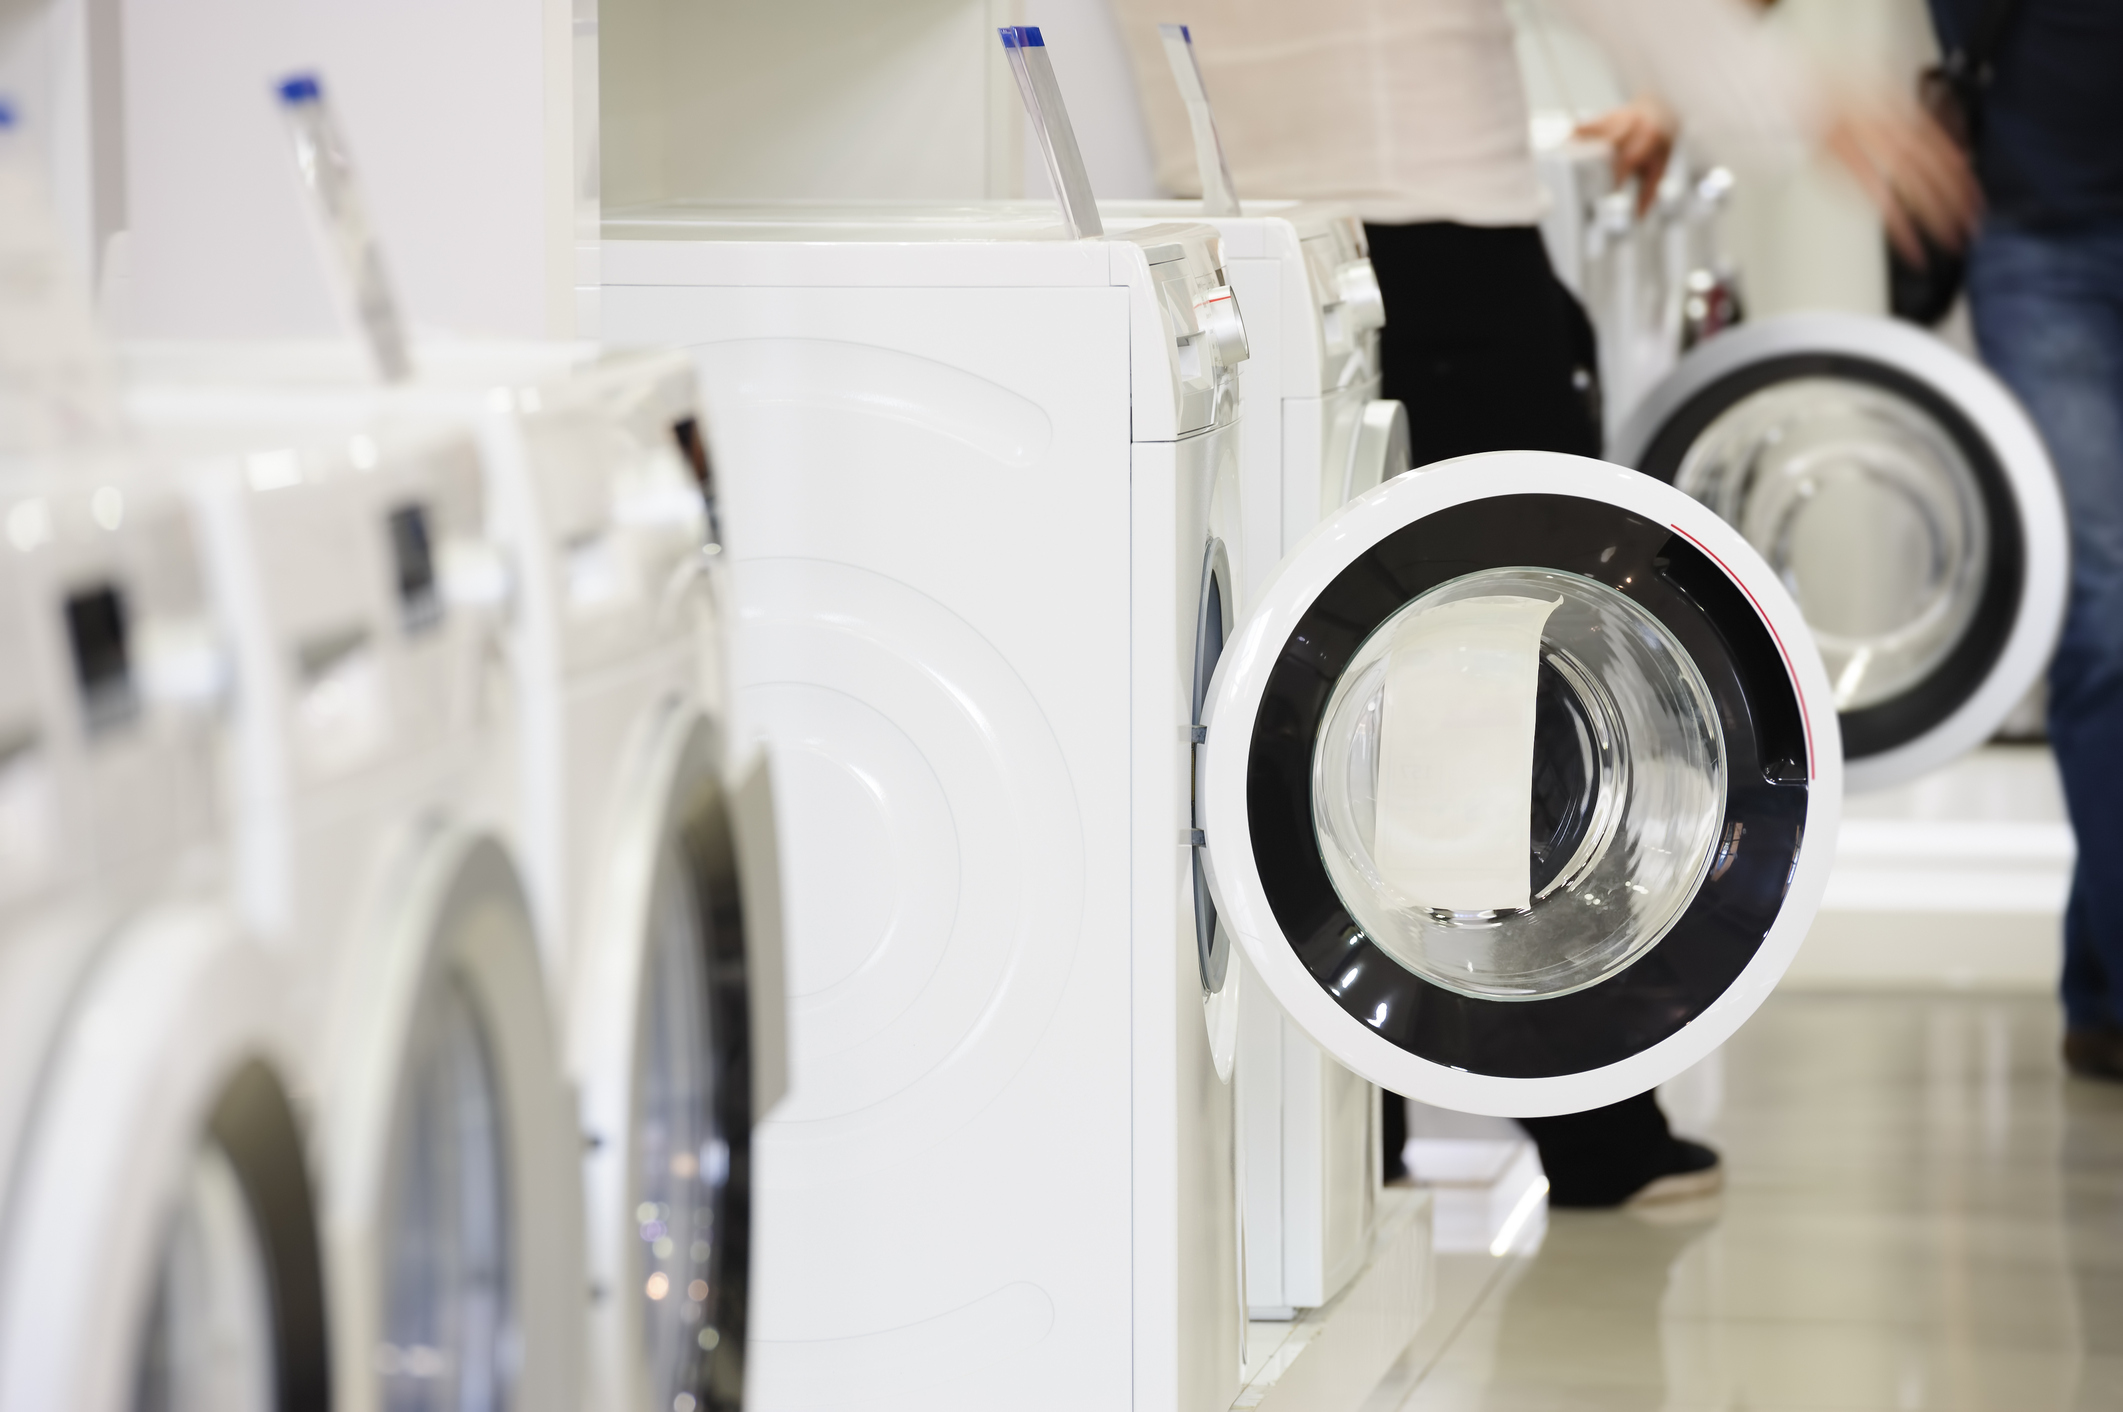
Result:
pixel 103 763
pixel 1206 334
pixel 1346 292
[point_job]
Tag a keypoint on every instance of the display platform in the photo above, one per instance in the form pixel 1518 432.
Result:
pixel 1333 1357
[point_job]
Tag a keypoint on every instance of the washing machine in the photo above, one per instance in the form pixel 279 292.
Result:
pixel 1906 502
pixel 158 1243
pixel 1007 1130
pixel 1654 282
pixel 1315 433
pixel 367 856
pixel 636 831
pixel 979 510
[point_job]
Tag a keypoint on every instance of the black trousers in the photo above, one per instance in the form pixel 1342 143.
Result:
pixel 1483 344
pixel 1491 353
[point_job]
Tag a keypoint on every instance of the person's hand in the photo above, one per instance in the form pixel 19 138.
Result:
pixel 1910 169
pixel 1641 134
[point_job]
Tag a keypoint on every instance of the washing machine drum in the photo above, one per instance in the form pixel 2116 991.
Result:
pixel 1904 500
pixel 1520 784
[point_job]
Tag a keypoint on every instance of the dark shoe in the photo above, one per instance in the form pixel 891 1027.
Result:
pixel 1613 1156
pixel 2094 1053
pixel 1694 1172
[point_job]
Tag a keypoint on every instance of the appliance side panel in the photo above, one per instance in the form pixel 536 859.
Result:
pixel 1158 761
pixel 1304 432
pixel 926 499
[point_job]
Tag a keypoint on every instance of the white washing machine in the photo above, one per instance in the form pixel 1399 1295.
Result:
pixel 964 466
pixel 998 1014
pixel 158 1243
pixel 637 836
pixel 365 858
pixel 1906 502
pixel 1315 433
pixel 1654 283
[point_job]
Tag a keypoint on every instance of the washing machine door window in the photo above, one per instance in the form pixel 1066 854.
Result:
pixel 1515 788
pixel 1212 629
pixel 210 1337
pixel 448 1318
pixel 1906 504
pixel 681 1157
pixel 236 1323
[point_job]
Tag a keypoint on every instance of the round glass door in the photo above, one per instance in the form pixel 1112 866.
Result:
pixel 681 1159
pixel 448 1318
pixel 1871 513
pixel 1518 782
pixel 1905 504
pixel 209 1345
pixel 1513 787
pixel 236 1323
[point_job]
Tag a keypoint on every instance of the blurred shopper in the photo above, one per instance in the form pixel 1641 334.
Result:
pixel 2045 287
pixel 1411 112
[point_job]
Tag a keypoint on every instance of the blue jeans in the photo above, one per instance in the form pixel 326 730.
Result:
pixel 2048 307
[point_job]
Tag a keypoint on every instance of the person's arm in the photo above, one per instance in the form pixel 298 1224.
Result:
pixel 1748 96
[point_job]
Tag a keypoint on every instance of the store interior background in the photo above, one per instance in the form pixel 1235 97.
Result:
pixel 1916 1216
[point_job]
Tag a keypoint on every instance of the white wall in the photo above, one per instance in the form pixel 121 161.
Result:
pixel 1098 84
pixel 723 99
pixel 458 114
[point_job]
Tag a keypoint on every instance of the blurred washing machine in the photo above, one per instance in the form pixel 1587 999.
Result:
pixel 158 1244
pixel 1654 282
pixel 1030 800
pixel 365 856
pixel 649 859
pixel 1907 504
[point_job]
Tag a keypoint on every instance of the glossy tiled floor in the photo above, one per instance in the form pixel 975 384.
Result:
pixel 1922 1212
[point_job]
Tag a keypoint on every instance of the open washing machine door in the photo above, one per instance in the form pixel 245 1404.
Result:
pixel 1905 501
pixel 1520 784
pixel 162 1249
pixel 679 1051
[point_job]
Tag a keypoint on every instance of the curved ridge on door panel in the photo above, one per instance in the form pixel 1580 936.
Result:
pixel 906 700
pixel 811 376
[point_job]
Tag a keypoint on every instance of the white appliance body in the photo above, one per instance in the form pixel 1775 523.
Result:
pixel 971 485
pixel 1315 433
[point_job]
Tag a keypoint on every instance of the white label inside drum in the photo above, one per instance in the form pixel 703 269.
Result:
pixel 1455 772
